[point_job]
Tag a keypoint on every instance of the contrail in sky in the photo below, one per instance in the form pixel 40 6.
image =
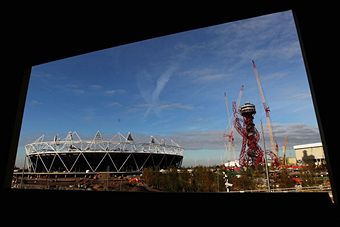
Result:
pixel 161 83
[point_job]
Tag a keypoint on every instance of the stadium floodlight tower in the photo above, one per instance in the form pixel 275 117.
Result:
pixel 251 153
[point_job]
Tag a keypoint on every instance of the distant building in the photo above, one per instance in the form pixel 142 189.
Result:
pixel 291 160
pixel 310 153
pixel 234 163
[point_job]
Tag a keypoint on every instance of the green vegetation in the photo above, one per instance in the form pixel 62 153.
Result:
pixel 311 175
pixel 246 179
pixel 199 179
pixel 211 179
pixel 195 179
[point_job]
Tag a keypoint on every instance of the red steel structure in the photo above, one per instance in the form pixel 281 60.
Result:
pixel 251 153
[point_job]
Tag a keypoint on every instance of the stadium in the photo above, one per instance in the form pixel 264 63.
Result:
pixel 121 154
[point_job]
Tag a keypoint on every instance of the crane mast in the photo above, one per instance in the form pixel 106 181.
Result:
pixel 239 96
pixel 227 110
pixel 237 105
pixel 284 150
pixel 230 127
pixel 273 144
pixel 228 135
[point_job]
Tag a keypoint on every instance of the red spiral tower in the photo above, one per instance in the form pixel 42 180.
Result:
pixel 251 153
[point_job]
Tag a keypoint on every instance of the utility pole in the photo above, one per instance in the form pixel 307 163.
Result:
pixel 107 177
pixel 217 181
pixel 22 175
pixel 265 158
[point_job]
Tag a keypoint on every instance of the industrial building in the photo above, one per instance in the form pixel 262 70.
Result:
pixel 310 153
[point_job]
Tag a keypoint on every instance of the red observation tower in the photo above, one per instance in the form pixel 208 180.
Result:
pixel 251 153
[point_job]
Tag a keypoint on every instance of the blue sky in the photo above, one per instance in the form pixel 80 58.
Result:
pixel 173 87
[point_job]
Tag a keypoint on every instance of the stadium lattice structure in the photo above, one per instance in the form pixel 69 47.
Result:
pixel 120 154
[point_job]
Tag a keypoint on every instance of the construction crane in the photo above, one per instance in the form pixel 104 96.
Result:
pixel 240 96
pixel 229 135
pixel 273 144
pixel 230 128
pixel 284 150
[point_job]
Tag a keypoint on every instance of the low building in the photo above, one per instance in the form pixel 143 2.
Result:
pixel 310 153
pixel 234 163
pixel 291 160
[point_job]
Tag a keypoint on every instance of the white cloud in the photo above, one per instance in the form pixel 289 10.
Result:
pixel 274 76
pixel 41 75
pixel 300 108
pixel 297 134
pixel 114 104
pixel 290 51
pixel 200 139
pixel 175 106
pixel 269 36
pixel 89 114
pixel 74 88
pixel 205 75
pixel 281 51
pixel 211 77
pixel 301 96
pixel 115 92
pixel 78 91
pixel 95 87
pixel 132 109
pixel 165 106
pixel 35 102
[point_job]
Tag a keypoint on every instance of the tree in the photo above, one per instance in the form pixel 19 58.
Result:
pixel 245 181
pixel 283 179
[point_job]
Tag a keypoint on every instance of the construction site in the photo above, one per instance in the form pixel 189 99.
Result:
pixel 122 164
pixel 277 172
